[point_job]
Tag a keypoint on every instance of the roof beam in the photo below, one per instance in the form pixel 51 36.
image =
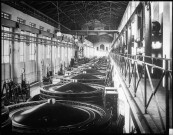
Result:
pixel 62 12
pixel 79 12
pixel 86 32
pixel 100 14
pixel 110 14
pixel 108 31
pixel 43 14
pixel 42 7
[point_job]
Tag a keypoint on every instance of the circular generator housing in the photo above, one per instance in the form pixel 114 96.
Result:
pixel 74 91
pixel 58 116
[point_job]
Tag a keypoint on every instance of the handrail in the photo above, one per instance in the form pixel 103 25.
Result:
pixel 143 125
pixel 143 62
pixel 145 56
pixel 129 65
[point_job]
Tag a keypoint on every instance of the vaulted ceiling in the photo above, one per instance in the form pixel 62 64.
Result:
pixel 74 14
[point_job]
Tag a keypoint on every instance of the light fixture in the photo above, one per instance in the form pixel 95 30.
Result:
pixel 76 40
pixel 156 45
pixel 58 32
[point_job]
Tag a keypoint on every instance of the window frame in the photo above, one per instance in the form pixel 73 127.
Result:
pixel 20 20
pixel 5 56
pixel 48 48
pixel 33 25
pixel 23 44
pixel 32 47
pixel 5 15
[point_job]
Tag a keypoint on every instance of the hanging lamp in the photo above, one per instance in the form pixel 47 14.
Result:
pixel 76 40
pixel 58 32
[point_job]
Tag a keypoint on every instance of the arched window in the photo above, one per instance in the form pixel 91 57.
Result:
pixel 102 47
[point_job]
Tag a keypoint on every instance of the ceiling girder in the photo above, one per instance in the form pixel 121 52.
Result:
pixel 107 12
pixel 63 12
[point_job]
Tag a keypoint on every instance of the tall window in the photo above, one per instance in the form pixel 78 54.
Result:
pixel 22 44
pixel 43 46
pixel 32 47
pixel 48 50
pixel 59 51
pixel 102 47
pixel 54 49
pixel 5 44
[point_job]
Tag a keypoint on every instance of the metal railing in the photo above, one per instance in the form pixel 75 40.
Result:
pixel 134 68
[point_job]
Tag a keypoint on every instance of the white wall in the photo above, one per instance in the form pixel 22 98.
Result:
pixel 16 13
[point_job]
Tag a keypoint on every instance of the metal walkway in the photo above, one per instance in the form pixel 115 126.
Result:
pixel 154 100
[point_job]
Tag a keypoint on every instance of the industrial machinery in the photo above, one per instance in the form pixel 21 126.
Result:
pixel 111 101
pixel 74 91
pixel 58 116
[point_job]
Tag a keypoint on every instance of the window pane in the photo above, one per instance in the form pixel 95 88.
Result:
pixel 6 47
pixel 30 47
pixel 6 29
pixel 2 47
pixel 46 51
pixel 49 51
pixel 5 44
pixel 21 48
pixel 2 59
pixel 33 48
pixel 42 51
pixel 6 59
pixel 21 51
